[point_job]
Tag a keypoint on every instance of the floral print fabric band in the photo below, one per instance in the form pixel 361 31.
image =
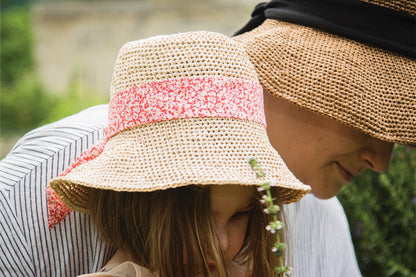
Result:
pixel 186 98
pixel 168 100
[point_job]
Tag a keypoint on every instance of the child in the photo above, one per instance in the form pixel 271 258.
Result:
pixel 170 186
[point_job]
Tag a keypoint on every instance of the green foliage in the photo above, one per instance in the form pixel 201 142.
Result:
pixel 22 99
pixel 75 100
pixel 24 103
pixel 27 105
pixel 15 45
pixel 381 209
pixel 7 4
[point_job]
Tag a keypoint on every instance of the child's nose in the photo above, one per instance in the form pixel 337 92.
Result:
pixel 225 239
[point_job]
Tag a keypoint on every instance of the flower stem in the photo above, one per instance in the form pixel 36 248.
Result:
pixel 275 226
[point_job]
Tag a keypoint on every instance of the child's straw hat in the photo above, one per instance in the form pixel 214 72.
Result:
pixel 352 61
pixel 184 109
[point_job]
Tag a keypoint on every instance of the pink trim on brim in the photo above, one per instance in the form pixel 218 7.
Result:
pixel 86 156
pixel 56 208
pixel 167 100
pixel 186 98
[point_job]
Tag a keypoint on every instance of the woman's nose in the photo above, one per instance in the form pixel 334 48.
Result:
pixel 377 155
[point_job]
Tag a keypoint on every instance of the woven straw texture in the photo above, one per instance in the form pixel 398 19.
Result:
pixel 178 152
pixel 182 152
pixel 407 6
pixel 181 56
pixel 367 88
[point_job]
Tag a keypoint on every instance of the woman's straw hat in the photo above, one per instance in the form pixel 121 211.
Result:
pixel 352 61
pixel 184 109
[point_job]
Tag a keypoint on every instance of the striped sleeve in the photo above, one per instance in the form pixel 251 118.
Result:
pixel 27 246
pixel 319 239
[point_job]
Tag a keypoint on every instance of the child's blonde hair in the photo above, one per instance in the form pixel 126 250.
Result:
pixel 170 231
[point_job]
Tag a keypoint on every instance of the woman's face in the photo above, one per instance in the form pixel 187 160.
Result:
pixel 320 151
pixel 231 206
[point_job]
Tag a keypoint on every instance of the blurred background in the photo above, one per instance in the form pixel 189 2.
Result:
pixel 57 58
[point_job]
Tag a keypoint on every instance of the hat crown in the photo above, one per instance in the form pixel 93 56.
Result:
pixel 407 6
pixel 184 55
pixel 185 75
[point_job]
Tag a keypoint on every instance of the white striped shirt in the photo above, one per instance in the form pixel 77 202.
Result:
pixel 319 238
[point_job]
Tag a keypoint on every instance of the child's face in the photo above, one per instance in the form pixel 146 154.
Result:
pixel 231 206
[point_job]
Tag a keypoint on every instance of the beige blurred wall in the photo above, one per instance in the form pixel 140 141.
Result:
pixel 80 40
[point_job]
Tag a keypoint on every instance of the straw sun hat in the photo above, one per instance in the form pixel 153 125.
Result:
pixel 352 61
pixel 184 109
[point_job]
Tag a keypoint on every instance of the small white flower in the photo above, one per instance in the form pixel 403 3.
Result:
pixel 273 209
pixel 279 225
pixel 270 229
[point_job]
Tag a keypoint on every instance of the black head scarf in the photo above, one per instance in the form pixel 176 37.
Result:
pixel 354 19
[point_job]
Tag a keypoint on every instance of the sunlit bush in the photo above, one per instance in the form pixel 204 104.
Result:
pixel 381 209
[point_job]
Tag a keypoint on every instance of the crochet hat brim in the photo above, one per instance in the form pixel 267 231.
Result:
pixel 364 87
pixel 175 153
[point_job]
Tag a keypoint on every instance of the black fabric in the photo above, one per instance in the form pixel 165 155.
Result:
pixel 368 23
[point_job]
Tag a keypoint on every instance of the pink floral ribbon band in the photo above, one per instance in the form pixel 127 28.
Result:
pixel 170 99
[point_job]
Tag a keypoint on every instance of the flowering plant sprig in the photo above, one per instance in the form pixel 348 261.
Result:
pixel 275 226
